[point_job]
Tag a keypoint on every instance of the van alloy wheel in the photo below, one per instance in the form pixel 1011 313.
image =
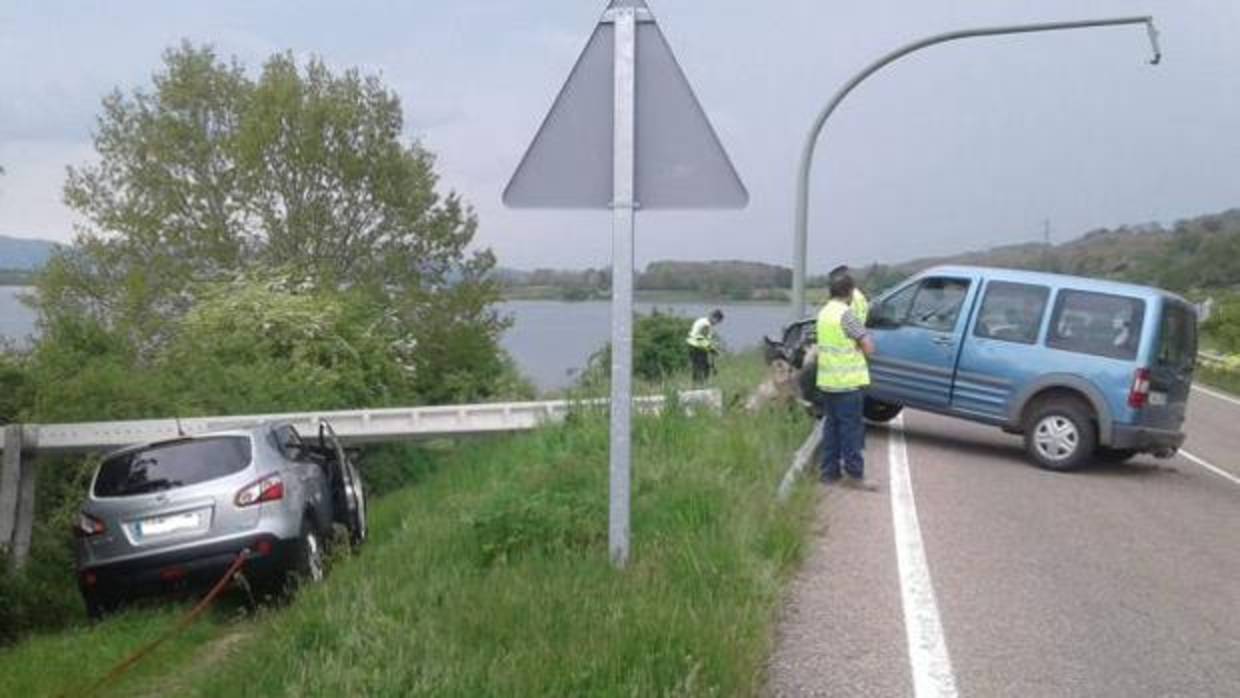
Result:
pixel 1057 437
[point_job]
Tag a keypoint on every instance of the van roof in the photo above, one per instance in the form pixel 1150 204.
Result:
pixel 1083 283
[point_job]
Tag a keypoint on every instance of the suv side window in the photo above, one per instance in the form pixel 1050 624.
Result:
pixel 1097 323
pixel 289 442
pixel 1012 312
pixel 937 303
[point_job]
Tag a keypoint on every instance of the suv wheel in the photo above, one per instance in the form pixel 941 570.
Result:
pixel 879 411
pixel 99 604
pixel 1060 434
pixel 310 565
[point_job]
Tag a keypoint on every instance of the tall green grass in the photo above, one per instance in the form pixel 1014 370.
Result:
pixel 491 576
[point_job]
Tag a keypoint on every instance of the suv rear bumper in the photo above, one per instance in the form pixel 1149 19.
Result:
pixel 1145 439
pixel 199 566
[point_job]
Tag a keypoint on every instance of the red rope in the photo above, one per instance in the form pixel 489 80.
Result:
pixel 187 621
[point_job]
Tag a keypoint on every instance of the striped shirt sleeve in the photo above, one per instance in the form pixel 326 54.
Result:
pixel 853 327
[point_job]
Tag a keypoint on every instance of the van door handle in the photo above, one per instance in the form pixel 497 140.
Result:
pixel 944 341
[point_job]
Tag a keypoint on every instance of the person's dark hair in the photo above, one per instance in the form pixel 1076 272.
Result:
pixel 716 315
pixel 837 272
pixel 841 286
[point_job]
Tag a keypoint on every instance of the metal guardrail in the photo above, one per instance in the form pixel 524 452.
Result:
pixel 351 426
pixel 1209 357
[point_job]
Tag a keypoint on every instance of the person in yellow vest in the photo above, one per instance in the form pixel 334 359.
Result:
pixel 859 304
pixel 702 346
pixel 843 375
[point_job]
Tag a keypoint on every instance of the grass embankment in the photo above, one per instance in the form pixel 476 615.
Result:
pixel 491 578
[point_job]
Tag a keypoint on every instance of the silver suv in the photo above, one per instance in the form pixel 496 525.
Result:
pixel 177 513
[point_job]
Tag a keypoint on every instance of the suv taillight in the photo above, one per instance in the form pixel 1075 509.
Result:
pixel 269 489
pixel 86 526
pixel 1139 395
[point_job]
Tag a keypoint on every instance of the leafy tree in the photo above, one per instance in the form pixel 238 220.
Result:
pixel 210 176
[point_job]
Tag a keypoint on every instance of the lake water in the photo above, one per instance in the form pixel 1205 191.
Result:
pixel 550 340
pixel 16 320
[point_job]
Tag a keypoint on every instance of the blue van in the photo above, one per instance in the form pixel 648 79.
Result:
pixel 1085 369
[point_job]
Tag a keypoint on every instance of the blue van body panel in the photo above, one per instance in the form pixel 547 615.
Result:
pixel 969 374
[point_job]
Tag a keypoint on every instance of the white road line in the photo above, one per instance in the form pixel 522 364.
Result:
pixel 1212 468
pixel 927 650
pixel 1216 394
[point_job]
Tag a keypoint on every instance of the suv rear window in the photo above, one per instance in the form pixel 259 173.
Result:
pixel 171 465
pixel 1097 323
pixel 1177 339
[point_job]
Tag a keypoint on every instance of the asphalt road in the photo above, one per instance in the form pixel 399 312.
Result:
pixel 1112 581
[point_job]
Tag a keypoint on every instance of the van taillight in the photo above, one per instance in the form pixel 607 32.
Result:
pixel 87 525
pixel 1139 395
pixel 269 489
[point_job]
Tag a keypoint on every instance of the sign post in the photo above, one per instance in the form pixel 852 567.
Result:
pixel 626 131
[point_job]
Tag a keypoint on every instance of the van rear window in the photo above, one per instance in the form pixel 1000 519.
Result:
pixel 1177 337
pixel 171 465
pixel 1097 323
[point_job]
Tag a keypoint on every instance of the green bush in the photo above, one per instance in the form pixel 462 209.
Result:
pixel 659 350
pixel 1223 328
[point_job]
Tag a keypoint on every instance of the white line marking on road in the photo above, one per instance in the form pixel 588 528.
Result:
pixel 1212 468
pixel 1216 394
pixel 927 650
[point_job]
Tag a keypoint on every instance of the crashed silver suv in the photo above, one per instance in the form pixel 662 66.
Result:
pixel 177 513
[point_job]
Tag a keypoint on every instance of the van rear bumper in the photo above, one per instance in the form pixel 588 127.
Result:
pixel 1146 439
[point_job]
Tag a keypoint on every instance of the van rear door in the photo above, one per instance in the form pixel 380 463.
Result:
pixel 1171 369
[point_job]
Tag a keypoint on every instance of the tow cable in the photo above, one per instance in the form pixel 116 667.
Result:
pixel 120 669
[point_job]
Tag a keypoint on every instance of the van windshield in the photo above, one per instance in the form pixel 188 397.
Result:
pixel 171 465
pixel 1177 341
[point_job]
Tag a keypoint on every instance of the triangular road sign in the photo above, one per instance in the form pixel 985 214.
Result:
pixel 680 162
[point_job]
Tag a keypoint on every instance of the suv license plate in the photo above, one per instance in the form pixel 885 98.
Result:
pixel 1158 399
pixel 160 525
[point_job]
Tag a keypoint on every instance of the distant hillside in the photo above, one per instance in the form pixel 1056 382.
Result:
pixel 24 254
pixel 1195 254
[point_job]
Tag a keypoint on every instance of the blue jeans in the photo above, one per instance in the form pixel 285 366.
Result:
pixel 843 434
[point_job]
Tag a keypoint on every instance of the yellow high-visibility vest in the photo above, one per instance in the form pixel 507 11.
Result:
pixel 860 306
pixel 700 335
pixel 841 365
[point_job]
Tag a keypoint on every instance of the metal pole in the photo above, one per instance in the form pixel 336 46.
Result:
pixel 623 207
pixel 10 483
pixel 807 153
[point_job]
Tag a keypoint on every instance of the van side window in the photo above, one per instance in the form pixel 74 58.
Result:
pixel 893 311
pixel 1012 312
pixel 1097 323
pixel 937 304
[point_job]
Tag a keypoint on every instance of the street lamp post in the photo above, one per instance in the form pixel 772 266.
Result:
pixel 807 154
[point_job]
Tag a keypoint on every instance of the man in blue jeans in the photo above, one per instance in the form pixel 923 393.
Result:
pixel 843 375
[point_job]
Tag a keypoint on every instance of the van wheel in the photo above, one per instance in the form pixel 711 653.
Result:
pixel 1105 454
pixel 879 411
pixel 1060 434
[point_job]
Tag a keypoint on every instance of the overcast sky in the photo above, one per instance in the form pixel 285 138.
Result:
pixel 961 146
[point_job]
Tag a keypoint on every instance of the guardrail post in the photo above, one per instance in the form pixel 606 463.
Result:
pixel 10 484
pixel 25 512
